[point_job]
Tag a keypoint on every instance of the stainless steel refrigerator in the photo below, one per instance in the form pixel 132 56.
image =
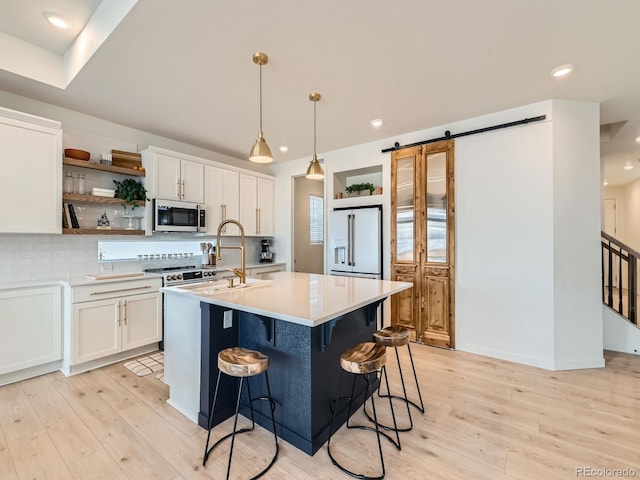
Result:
pixel 355 242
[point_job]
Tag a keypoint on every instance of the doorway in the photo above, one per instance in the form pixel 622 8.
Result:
pixel 308 225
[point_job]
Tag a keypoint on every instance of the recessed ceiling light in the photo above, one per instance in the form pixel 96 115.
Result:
pixel 56 20
pixel 562 71
pixel 638 139
pixel 628 166
pixel 376 123
pixel 605 183
pixel 283 148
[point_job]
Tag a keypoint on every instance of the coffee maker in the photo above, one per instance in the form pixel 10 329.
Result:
pixel 265 254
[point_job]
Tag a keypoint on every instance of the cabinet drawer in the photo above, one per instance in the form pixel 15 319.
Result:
pixel 99 291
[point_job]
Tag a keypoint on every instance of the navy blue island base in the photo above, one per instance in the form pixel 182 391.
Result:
pixel 304 363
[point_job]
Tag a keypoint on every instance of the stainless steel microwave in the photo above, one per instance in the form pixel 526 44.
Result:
pixel 171 216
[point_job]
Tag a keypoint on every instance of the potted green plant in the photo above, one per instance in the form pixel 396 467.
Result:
pixel 130 191
pixel 360 187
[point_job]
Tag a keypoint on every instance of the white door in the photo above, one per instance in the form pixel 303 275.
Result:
pixel 365 240
pixel 166 177
pixel 231 200
pixel 265 192
pixel 192 178
pixel 339 240
pixel 96 330
pixel 248 204
pixel 141 320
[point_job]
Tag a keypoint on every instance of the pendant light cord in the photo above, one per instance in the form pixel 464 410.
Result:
pixel 314 128
pixel 261 97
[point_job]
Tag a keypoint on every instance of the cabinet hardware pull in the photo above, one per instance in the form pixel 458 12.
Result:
pixel 178 190
pixel 124 317
pixel 182 191
pixel 119 290
pixel 257 221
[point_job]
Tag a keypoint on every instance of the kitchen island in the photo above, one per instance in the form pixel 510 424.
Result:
pixel 303 322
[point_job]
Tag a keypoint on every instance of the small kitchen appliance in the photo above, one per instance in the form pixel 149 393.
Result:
pixel 266 255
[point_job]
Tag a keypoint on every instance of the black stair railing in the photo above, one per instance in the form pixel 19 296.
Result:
pixel 619 277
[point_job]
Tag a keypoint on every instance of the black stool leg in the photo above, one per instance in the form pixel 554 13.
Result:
pixel 415 377
pixel 375 416
pixel 272 408
pixel 379 433
pixel 235 424
pixel 213 405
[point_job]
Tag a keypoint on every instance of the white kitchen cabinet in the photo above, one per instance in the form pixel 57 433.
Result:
pixel 30 328
pixel 178 179
pixel 256 205
pixel 31 158
pixel 221 199
pixel 123 316
pixel 264 272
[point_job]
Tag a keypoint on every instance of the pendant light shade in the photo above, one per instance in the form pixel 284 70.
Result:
pixel 260 152
pixel 314 171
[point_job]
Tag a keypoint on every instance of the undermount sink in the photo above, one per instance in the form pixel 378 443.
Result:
pixel 219 286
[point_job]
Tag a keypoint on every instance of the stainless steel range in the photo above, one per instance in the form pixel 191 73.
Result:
pixel 172 276
pixel 183 274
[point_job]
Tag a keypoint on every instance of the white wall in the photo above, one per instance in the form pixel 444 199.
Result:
pixel 619 334
pixel 516 190
pixel 576 236
pixel 504 243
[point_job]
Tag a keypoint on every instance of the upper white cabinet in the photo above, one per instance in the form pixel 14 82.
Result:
pixel 177 179
pixel 221 199
pixel 256 205
pixel 227 192
pixel 31 158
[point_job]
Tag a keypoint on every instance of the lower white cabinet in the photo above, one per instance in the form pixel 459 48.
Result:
pixel 263 272
pixel 30 327
pixel 117 321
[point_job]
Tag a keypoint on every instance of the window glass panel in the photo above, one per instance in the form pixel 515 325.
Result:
pixel 437 207
pixel 404 213
pixel 316 219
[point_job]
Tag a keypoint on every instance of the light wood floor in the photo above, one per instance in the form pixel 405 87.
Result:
pixel 485 419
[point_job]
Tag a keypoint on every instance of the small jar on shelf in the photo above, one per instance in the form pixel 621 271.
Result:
pixel 67 186
pixel 80 184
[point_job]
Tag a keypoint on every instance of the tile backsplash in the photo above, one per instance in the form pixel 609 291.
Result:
pixel 29 258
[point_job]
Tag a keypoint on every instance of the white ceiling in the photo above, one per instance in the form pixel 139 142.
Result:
pixel 183 69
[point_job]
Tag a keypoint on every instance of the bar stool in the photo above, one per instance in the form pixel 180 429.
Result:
pixel 398 336
pixel 242 363
pixel 363 360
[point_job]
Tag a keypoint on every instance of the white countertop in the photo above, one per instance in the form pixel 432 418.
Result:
pixel 304 298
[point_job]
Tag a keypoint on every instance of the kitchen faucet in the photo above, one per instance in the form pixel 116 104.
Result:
pixel 242 271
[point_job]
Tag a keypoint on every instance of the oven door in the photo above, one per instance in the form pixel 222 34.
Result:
pixel 170 216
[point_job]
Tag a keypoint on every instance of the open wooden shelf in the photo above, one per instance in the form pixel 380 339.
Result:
pixel 95 231
pixel 74 197
pixel 99 166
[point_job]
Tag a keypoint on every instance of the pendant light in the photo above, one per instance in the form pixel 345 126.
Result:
pixel 315 172
pixel 260 153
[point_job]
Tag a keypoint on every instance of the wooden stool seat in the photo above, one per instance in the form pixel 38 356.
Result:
pixel 242 362
pixel 364 358
pixel 395 336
